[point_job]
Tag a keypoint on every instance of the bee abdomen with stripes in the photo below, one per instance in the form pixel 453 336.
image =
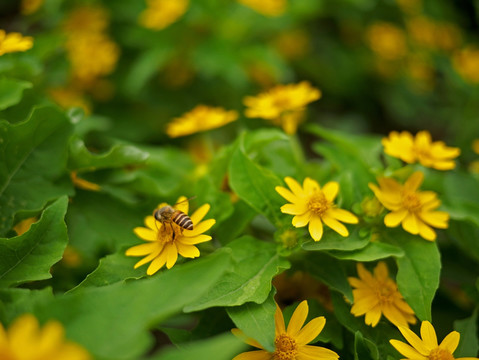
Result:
pixel 182 220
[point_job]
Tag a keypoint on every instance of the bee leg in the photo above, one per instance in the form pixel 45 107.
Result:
pixel 173 231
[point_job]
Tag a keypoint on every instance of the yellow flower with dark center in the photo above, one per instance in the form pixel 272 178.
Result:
pixel 266 7
pixel 466 63
pixel 166 241
pixel 290 343
pixel 30 6
pixel 284 105
pixel 387 40
pixel 201 118
pixel 314 206
pixel 433 154
pixel 14 42
pixel 162 13
pixel 426 347
pixel 25 340
pixel 414 209
pixel 377 295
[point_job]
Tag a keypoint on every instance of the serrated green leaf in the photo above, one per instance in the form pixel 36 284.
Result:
pixel 256 263
pixel 34 154
pixel 11 91
pixel 30 256
pixel 371 252
pixel 469 343
pixel 131 308
pixel 334 241
pixel 256 321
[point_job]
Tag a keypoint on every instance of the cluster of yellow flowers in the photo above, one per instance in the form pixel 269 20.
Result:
pixel 160 14
pixel 266 7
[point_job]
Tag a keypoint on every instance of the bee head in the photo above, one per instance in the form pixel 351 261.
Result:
pixel 164 213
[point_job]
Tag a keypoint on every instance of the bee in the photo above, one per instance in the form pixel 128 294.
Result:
pixel 168 214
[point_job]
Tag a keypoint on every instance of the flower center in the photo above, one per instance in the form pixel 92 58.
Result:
pixel 168 232
pixel 440 354
pixel 286 348
pixel 411 201
pixel 318 203
pixel 385 292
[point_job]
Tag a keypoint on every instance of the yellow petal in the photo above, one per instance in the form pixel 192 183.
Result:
pixel 147 259
pixel 194 239
pixel 187 251
pixel 310 186
pixel 343 215
pixel 394 218
pixel 428 335
pixel 253 355
pixel 393 314
pixel 279 321
pixel 298 318
pixel 182 204
pixel 200 228
pixel 311 330
pixel 373 316
pixel 51 337
pixel 436 219
pixel 410 224
pixel 335 225
pixel 414 181
pixel 199 214
pixel 362 305
pixel 316 228
pixel 157 263
pixel 288 195
pixel 294 186
pixel 330 190
pixel 364 274
pixel 22 333
pixel 406 350
pixel 145 234
pixel 450 342
pixel 242 336
pixel 171 255
pixel 414 340
pixel 294 209
pixel 152 223
pixel 309 352
pixel 302 220
pixel 381 271
pixel 426 232
pixel 143 249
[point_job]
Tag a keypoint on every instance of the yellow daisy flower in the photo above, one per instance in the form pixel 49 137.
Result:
pixel 166 241
pixel 201 118
pixel 266 7
pixel 426 347
pixel 14 42
pixel 421 148
pixel 313 205
pixel 377 295
pixel 284 105
pixel 27 341
pixel 162 13
pixel 414 209
pixel 290 343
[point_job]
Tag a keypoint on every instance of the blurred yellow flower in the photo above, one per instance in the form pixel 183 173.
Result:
pixel 421 73
pixel 30 6
pixel 201 118
pixel 25 340
pixel 411 7
pixel 14 42
pixel 82 183
pixel 68 97
pixel 433 35
pixel 293 44
pixel 86 19
pixel 71 257
pixel 283 105
pixel 420 149
pixel 371 207
pixel 23 226
pixel 466 64
pixel 475 146
pixel 313 205
pixel 266 7
pixel 166 241
pixel 376 295
pixel 414 209
pixel 426 347
pixel 387 40
pixel 160 14
pixel 290 343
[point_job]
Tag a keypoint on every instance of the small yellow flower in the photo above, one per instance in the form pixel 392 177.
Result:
pixel 290 343
pixel 68 97
pixel 23 226
pixel 411 7
pixel 14 42
pixel 30 6
pixel 377 295
pixel 387 40
pixel 284 105
pixel 201 118
pixel 86 19
pixel 466 63
pixel 414 209
pixel 266 7
pixel 25 340
pixel 82 183
pixel 426 347
pixel 421 148
pixel 293 44
pixel 166 241
pixel 313 205
pixel 371 207
pixel 162 13
pixel 475 146
pixel 71 257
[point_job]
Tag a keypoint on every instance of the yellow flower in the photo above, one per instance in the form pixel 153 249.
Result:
pixel 166 241
pixel 201 118
pixel 421 148
pixel 68 97
pixel 411 7
pixel 284 105
pixel 14 42
pixel 293 44
pixel 25 340
pixel 387 40
pixel 466 63
pixel 266 7
pixel 290 343
pixel 313 205
pixel 82 183
pixel 414 209
pixel 86 19
pixel 162 13
pixel 23 226
pixel 426 347
pixel 30 6
pixel 475 146
pixel 377 295
pixel 71 257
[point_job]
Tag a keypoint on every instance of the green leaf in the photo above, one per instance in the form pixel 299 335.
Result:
pixel 119 155
pixel 461 198
pixel 364 349
pixel 371 252
pixel 256 321
pixel 16 301
pixel 334 241
pixel 418 272
pixel 118 316
pixel 465 234
pixel 256 263
pixel 222 347
pixel 232 228
pixel 469 343
pixel 30 256
pixel 11 91
pixel 34 154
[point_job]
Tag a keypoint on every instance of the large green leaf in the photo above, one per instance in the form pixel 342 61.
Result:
pixel 364 349
pixel 256 321
pixel 30 256
pixel 334 241
pixel 33 154
pixel 256 263
pixel 461 198
pixel 112 321
pixel 371 252
pixel 11 91
pixel 16 301
pixel 418 272
pixel 469 343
